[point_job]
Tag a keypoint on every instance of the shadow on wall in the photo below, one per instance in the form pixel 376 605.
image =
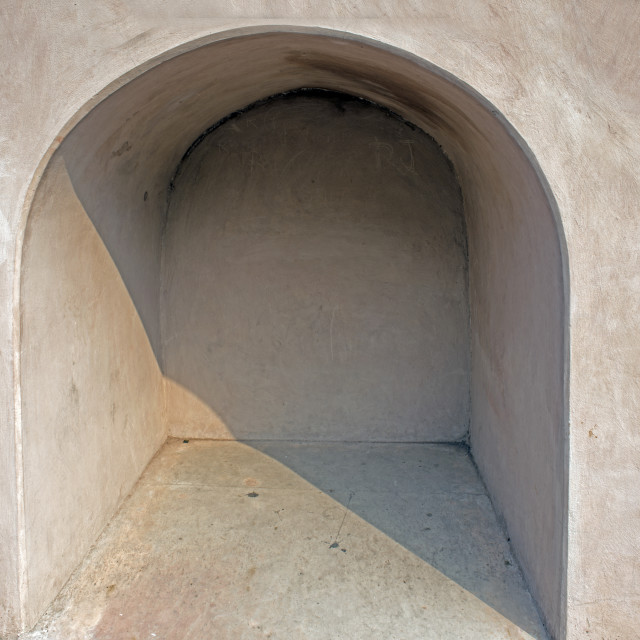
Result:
pixel 314 276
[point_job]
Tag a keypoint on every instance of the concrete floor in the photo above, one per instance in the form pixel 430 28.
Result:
pixel 232 540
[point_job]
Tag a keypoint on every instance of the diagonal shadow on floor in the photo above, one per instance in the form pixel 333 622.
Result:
pixel 428 498
pixel 308 541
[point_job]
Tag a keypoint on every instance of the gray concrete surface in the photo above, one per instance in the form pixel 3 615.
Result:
pixel 298 540
pixel 564 74
pixel 314 277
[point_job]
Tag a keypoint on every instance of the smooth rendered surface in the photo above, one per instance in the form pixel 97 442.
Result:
pixel 563 73
pixel 299 540
pixel 314 277
pixel 91 393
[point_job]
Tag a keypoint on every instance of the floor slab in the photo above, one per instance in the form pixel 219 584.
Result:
pixel 299 540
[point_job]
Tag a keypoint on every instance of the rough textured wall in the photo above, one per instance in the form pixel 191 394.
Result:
pixel 315 276
pixel 91 388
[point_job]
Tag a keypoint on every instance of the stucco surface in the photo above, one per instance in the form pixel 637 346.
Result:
pixel 565 74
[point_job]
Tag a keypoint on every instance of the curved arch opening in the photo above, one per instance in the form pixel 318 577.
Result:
pixel 117 252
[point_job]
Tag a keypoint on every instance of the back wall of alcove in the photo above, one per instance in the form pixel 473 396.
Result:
pixel 314 277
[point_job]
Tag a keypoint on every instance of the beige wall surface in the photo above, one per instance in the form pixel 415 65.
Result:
pixel 91 388
pixel 565 74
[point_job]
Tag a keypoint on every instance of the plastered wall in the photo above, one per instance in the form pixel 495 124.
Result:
pixel 564 74
pixel 91 388
pixel 314 277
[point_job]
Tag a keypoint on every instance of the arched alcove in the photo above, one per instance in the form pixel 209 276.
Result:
pixel 98 348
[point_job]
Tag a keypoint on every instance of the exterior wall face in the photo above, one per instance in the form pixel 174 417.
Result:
pixel 10 561
pixel 565 75
pixel 91 388
pixel 315 277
